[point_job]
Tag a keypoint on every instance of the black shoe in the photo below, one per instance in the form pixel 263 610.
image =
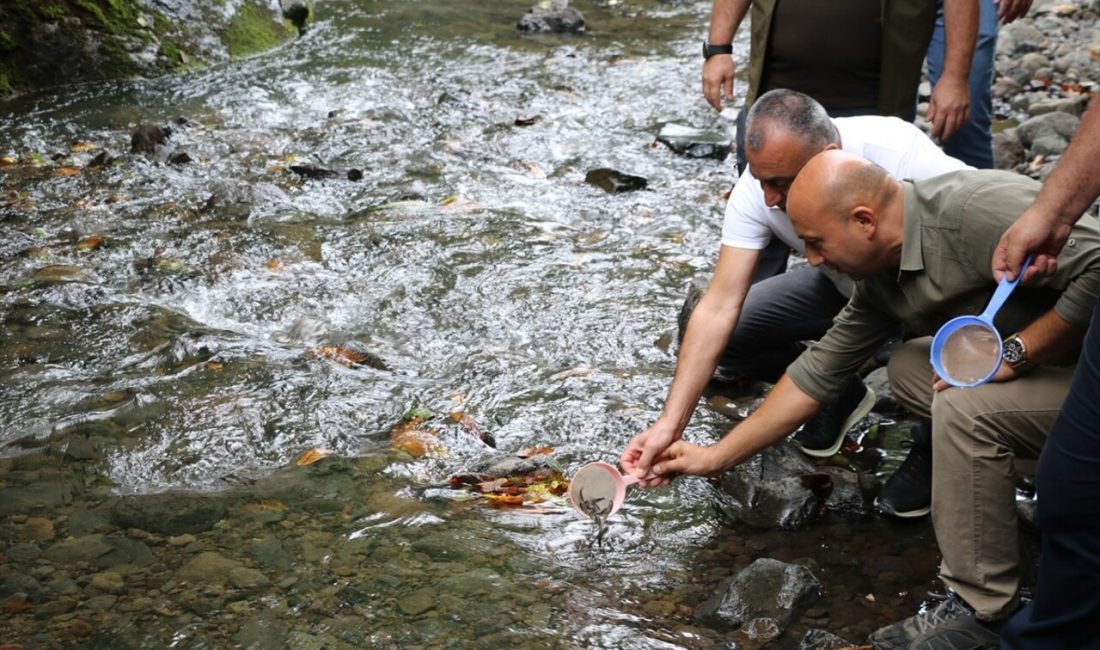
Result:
pixel 908 492
pixel 822 436
pixel 951 625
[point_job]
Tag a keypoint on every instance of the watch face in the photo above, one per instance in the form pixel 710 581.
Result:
pixel 1013 352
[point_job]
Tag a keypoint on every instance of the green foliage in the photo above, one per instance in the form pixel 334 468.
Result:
pixel 417 412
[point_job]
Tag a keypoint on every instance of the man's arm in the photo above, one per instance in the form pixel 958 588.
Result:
pixel 708 330
pixel 725 18
pixel 784 409
pixel 949 107
pixel 1010 10
pixel 1045 226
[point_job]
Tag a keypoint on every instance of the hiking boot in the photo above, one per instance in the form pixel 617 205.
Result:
pixel 951 625
pixel 822 436
pixel 908 492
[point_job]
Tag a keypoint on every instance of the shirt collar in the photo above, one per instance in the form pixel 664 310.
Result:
pixel 911 257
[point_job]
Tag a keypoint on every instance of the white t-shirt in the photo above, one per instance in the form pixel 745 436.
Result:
pixel 897 146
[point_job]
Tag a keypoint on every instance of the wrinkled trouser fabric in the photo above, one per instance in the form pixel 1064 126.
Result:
pixel 779 314
pixel 1065 613
pixel 976 435
pixel 973 142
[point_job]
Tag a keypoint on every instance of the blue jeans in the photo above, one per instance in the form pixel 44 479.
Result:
pixel 1065 613
pixel 973 142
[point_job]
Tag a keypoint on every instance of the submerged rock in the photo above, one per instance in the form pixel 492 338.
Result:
pixel 614 182
pixel 552 16
pixel 695 143
pixel 766 589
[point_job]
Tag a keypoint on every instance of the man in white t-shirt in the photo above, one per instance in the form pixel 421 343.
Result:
pixel 752 322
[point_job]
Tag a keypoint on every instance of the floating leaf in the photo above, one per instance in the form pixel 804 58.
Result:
pixel 8 161
pixel 274 264
pixel 411 436
pixel 418 412
pixel 67 171
pixel 342 356
pixel 81 147
pixel 89 243
pixel 505 499
pixel 312 456
pixel 528 452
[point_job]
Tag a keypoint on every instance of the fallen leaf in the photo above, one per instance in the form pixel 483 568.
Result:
pixel 8 161
pixel 82 147
pixel 415 439
pixel 342 356
pixel 274 265
pixel 89 243
pixel 312 456
pixel 505 499
pixel 67 171
pixel 528 452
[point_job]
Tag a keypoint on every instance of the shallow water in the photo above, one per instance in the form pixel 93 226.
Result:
pixel 471 259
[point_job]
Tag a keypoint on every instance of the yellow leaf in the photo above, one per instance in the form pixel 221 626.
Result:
pixel 312 456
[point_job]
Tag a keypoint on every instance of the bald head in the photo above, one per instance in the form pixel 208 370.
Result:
pixel 845 206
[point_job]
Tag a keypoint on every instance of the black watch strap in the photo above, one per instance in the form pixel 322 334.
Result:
pixel 710 49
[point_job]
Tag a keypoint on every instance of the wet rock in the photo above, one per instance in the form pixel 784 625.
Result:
pixel 84 522
pixel 1008 151
pixel 768 491
pixel 1059 124
pixel 34 497
pixel 108 582
pixel 101 551
pixel 818 639
pixel 695 143
pixel 614 182
pixel 320 487
pixel 147 137
pixel 418 602
pixel 297 12
pixel 762 629
pixel 852 494
pixel 246 578
pixel 101 603
pixel 38 529
pixel 179 158
pixel 552 16
pixel 695 290
pixel 269 553
pixel 262 631
pixel 169 513
pixel 243 201
pixel 210 567
pixel 1072 105
pixel 23 553
pixel 1049 146
pixel 767 588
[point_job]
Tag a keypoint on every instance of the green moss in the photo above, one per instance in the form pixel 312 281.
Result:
pixel 252 30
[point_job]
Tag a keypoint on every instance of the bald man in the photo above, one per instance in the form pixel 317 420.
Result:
pixel 921 253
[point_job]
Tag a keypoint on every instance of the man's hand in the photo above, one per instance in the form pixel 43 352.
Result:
pixel 718 79
pixel 1004 373
pixel 949 107
pixel 685 458
pixel 638 457
pixel 1037 233
pixel 1010 10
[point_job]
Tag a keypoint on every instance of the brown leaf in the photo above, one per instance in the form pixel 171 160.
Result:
pixel 528 452
pixel 17 606
pixel 342 356
pixel 312 456
pixel 89 243
pixel 505 499
pixel 67 171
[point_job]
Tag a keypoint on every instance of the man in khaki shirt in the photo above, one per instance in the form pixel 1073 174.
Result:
pixel 920 252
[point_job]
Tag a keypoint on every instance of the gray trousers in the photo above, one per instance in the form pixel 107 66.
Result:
pixel 978 436
pixel 779 314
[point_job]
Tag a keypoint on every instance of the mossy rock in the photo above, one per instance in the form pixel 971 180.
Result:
pixel 48 42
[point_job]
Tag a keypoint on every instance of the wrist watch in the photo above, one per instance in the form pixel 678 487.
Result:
pixel 710 49
pixel 1014 352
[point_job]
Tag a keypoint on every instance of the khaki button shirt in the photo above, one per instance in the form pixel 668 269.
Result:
pixel 952 224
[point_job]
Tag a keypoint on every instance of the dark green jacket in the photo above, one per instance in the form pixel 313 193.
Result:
pixel 906 31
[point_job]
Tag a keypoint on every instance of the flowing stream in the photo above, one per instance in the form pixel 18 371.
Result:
pixel 169 315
